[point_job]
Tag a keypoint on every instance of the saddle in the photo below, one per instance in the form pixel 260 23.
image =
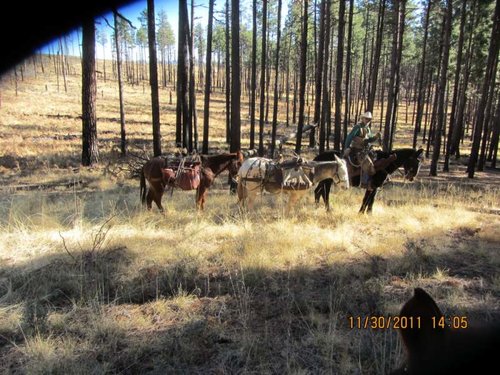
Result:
pixel 182 174
pixel 290 174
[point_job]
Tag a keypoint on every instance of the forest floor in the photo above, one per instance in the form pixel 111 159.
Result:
pixel 90 282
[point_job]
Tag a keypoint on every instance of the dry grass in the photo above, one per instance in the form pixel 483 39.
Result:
pixel 91 283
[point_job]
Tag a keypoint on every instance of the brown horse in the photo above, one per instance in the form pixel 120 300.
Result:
pixel 445 345
pixel 211 167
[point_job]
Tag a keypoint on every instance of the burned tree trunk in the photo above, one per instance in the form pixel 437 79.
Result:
pixel 90 152
pixel 153 79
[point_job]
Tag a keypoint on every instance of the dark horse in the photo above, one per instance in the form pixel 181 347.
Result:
pixel 211 167
pixel 436 344
pixel 408 158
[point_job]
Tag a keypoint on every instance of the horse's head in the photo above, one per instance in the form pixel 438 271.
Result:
pixel 235 164
pixel 412 164
pixel 342 172
pixel 436 344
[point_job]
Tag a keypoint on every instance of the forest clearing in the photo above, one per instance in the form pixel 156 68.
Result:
pixel 93 283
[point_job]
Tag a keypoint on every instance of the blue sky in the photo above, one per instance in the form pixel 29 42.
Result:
pixel 132 12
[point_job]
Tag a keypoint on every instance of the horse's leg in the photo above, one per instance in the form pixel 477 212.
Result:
pixel 372 199
pixel 242 195
pixel 158 194
pixel 365 202
pixel 294 198
pixel 319 192
pixel 326 194
pixel 199 196
pixel 149 199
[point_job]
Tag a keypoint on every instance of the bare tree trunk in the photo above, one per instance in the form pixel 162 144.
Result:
pixel 488 78
pixel 276 68
pixel 208 78
pixel 319 71
pixel 421 77
pixel 462 96
pixel 325 113
pixel 63 58
pixel 254 75
pixel 453 126
pixel 338 80
pixel 303 73
pixel 90 152
pixel 182 77
pixel 153 79
pixel 193 128
pixel 263 78
pixel 123 141
pixel 488 115
pixel 376 59
pixel 348 70
pixel 495 137
pixel 228 77
pixel 392 99
pixel 441 89
pixel 235 78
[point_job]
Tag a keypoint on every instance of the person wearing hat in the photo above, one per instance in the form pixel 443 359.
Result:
pixel 357 145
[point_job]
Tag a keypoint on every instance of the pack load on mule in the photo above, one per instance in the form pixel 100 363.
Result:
pixel 293 177
pixel 183 172
pixel 292 174
pixel 196 172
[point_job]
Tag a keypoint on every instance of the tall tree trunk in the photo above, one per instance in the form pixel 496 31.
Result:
pixel 235 78
pixel 488 115
pixel 153 79
pixel 254 75
pixel 208 78
pixel 123 139
pixel 376 59
pixel 488 78
pixel 63 65
pixel 228 77
pixel 182 77
pixel 441 89
pixel 276 69
pixel 325 113
pixel 494 138
pixel 193 128
pixel 319 71
pixel 263 78
pixel 303 73
pixel 90 153
pixel 348 69
pixel 456 84
pixel 338 80
pixel 392 97
pixel 421 79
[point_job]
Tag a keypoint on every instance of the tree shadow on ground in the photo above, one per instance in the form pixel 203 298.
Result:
pixel 235 319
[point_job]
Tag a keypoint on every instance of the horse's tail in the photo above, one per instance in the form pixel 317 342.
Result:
pixel 143 187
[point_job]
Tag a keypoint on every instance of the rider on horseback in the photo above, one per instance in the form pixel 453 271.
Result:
pixel 357 148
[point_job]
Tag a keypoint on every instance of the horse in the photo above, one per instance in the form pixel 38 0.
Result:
pixel 386 163
pixel 436 344
pixel 257 174
pixel 211 167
